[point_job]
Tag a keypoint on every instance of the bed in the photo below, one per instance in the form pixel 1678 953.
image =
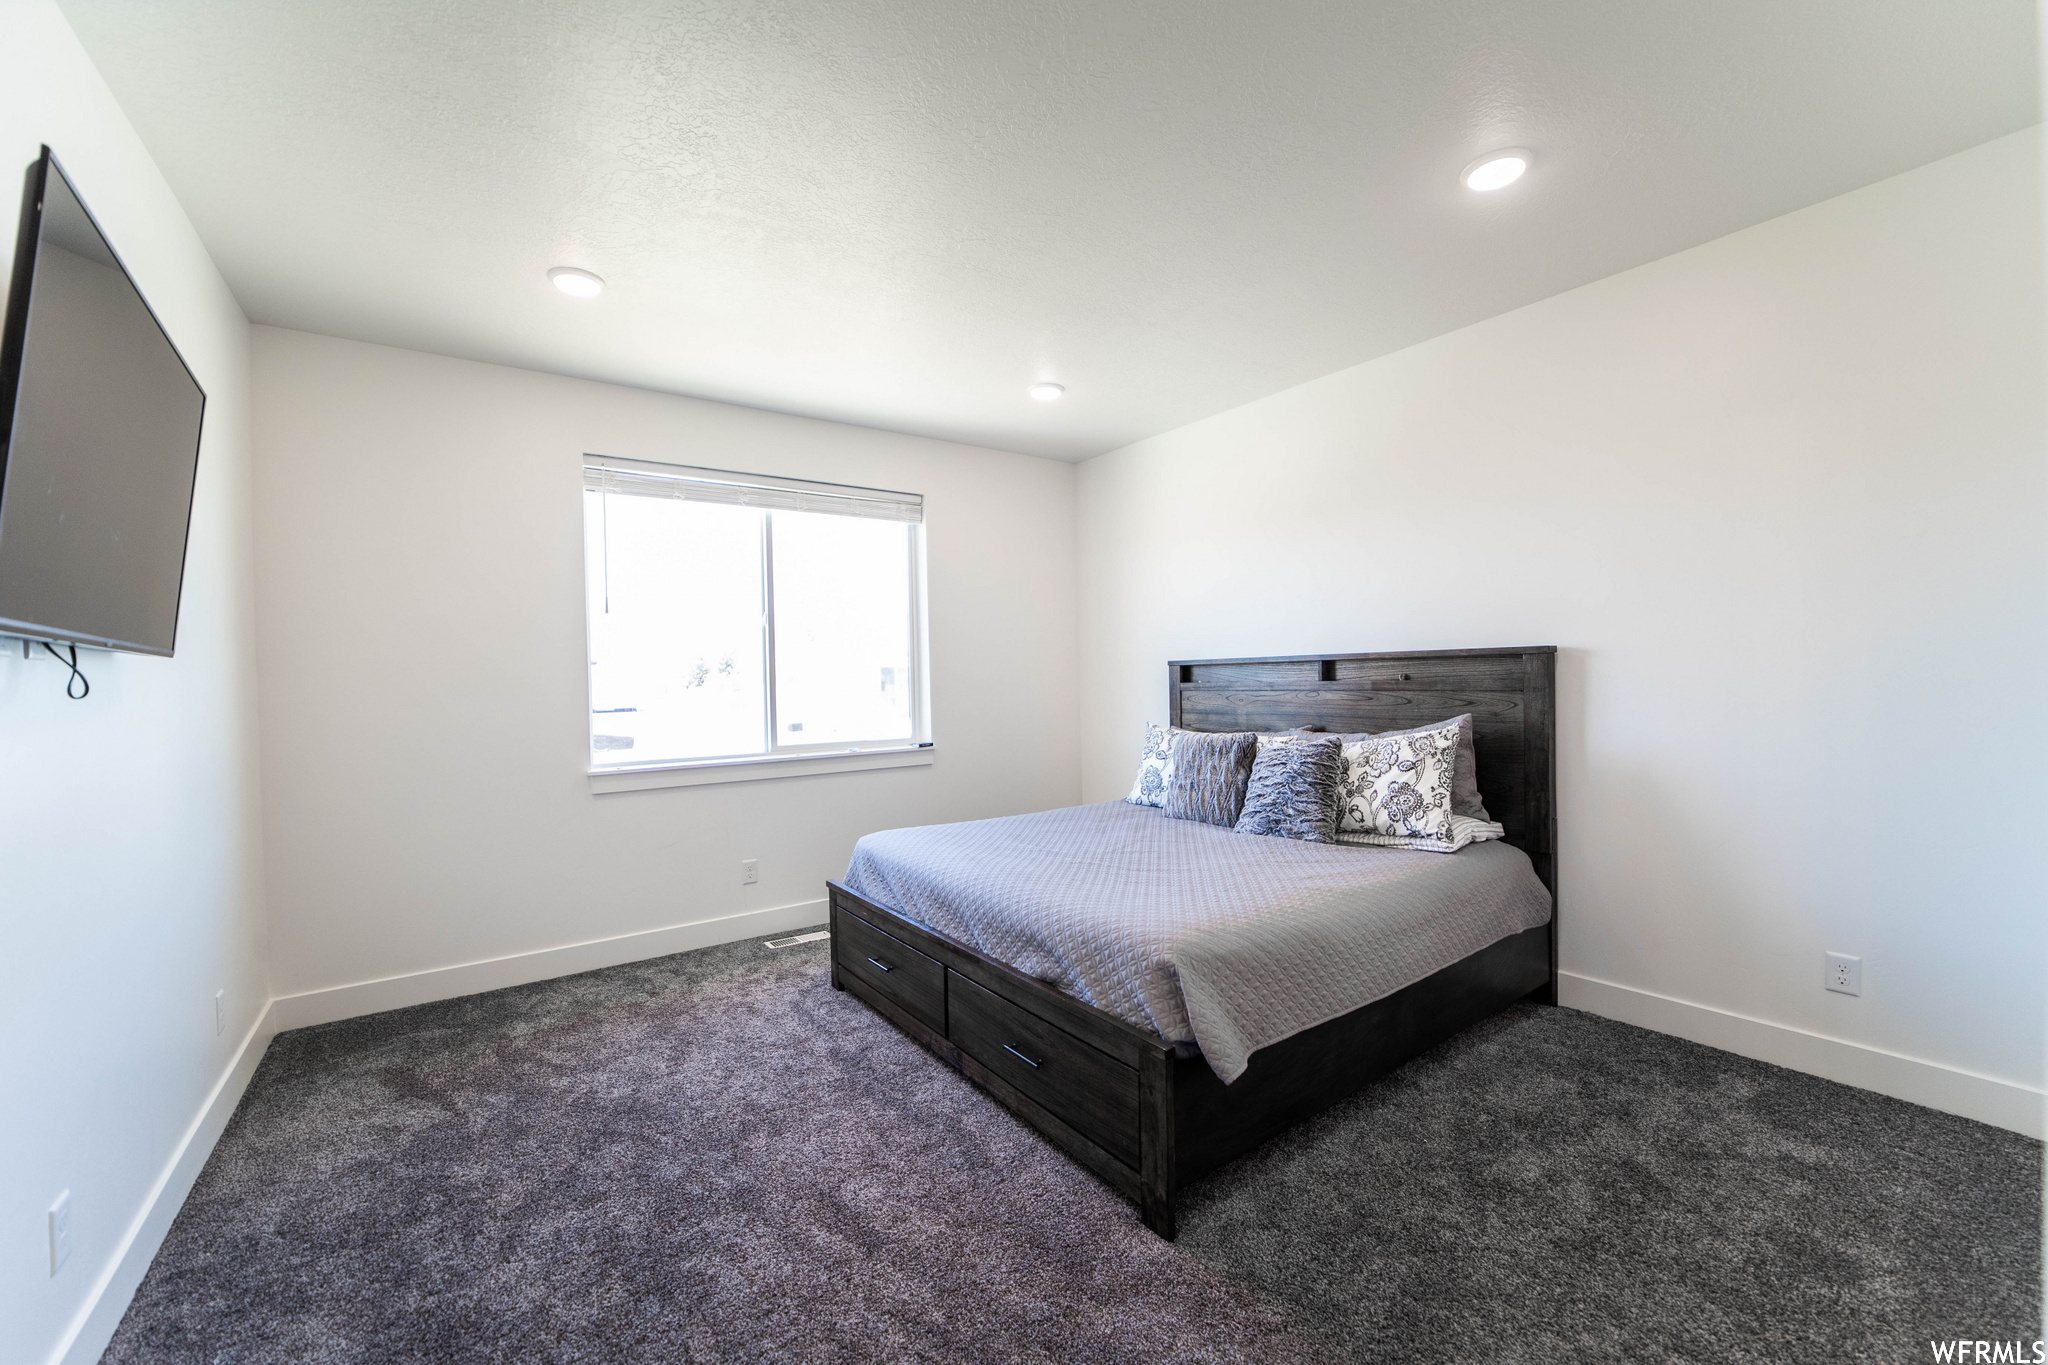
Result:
pixel 1176 1026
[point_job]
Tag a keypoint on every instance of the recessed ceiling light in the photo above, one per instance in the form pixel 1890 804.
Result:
pixel 577 284
pixel 1047 392
pixel 1497 170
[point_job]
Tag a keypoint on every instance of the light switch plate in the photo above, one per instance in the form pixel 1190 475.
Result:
pixel 60 1232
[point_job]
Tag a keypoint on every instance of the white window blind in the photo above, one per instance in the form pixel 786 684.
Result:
pixel 638 479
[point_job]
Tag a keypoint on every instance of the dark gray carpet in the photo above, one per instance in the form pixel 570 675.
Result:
pixel 1556 1186
pixel 716 1157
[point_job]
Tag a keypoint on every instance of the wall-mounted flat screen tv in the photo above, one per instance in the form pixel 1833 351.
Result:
pixel 99 438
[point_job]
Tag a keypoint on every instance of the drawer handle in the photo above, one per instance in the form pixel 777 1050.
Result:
pixel 883 965
pixel 1020 1056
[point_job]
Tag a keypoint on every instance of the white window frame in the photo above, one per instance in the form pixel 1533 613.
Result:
pixel 781 760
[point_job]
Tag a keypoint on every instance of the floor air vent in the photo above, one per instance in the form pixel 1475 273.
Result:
pixel 800 938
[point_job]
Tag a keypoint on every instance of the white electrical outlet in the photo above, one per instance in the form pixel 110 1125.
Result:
pixel 220 1012
pixel 1845 974
pixel 750 871
pixel 60 1232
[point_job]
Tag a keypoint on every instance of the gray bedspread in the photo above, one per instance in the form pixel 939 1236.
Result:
pixel 1231 941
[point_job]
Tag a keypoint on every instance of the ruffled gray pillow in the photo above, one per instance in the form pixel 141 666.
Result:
pixel 1209 775
pixel 1296 791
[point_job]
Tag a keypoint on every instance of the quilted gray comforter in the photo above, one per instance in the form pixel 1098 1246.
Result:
pixel 1229 941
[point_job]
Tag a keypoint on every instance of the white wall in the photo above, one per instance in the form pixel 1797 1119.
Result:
pixel 129 847
pixel 1779 500
pixel 419 551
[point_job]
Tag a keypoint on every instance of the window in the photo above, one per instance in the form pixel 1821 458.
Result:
pixel 736 618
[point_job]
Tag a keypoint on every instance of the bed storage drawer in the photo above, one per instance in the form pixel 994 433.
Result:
pixel 891 967
pixel 1082 1085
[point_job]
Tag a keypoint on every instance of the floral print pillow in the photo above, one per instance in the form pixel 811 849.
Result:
pixel 1155 768
pixel 1401 783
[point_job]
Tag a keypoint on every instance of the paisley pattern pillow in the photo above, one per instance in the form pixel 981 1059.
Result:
pixel 1209 776
pixel 1155 768
pixel 1401 783
pixel 1465 778
pixel 1293 792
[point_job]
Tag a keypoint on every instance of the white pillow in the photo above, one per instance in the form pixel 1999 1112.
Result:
pixel 1464 830
pixel 1268 738
pixel 1400 784
pixel 1155 768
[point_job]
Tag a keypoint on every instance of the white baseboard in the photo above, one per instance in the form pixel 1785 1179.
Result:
pixel 471 978
pixel 86 1339
pixel 2005 1104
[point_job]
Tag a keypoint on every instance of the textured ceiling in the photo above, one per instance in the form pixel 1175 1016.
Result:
pixel 900 214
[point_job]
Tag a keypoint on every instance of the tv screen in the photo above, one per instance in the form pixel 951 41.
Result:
pixel 100 443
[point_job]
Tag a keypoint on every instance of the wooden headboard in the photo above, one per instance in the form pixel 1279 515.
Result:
pixel 1511 694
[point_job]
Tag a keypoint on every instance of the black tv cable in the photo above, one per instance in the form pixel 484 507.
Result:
pixel 77 679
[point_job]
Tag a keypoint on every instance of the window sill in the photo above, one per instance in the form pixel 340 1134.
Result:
pixel 754 769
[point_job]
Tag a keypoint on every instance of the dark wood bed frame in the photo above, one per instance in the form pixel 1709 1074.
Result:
pixel 1116 1097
